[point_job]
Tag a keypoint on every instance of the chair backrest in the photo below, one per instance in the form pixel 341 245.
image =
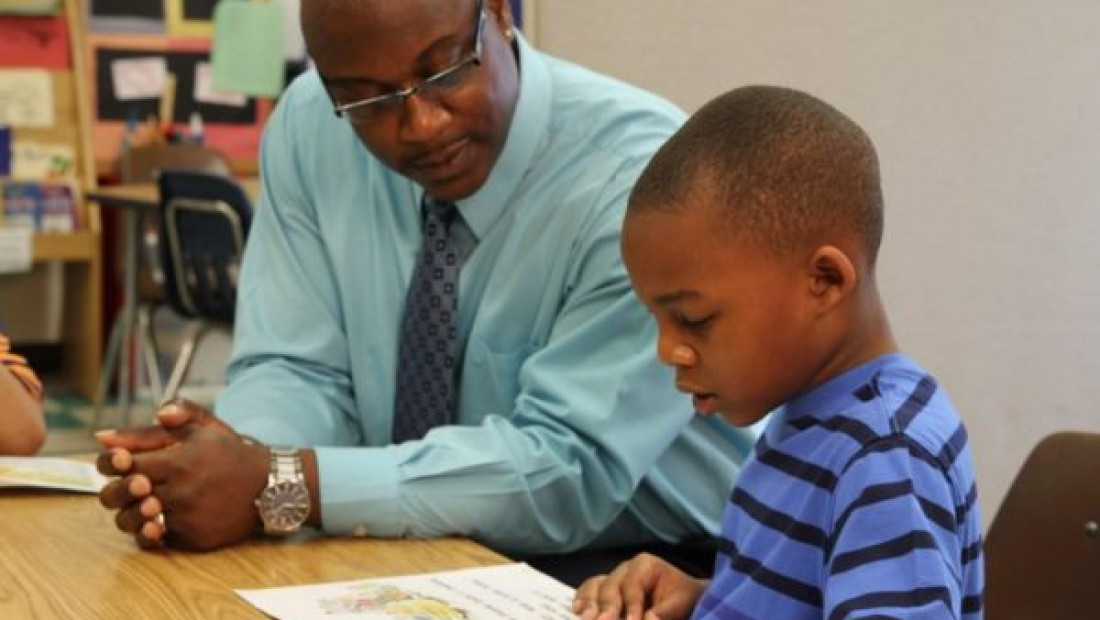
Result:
pixel 142 164
pixel 1042 552
pixel 204 223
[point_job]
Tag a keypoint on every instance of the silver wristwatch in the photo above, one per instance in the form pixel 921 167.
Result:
pixel 284 502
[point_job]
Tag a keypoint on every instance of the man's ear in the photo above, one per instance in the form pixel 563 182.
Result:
pixel 832 277
pixel 500 11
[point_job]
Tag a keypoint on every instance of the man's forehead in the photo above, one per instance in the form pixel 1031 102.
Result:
pixel 397 27
pixel 380 15
pixel 382 45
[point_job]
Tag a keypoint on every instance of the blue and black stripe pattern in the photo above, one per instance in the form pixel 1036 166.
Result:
pixel 859 502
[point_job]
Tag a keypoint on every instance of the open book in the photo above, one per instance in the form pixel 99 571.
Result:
pixel 49 473
pixel 506 592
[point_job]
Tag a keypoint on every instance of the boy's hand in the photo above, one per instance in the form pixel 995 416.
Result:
pixel 646 586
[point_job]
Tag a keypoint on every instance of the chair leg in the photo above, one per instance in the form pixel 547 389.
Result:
pixel 107 371
pixel 196 330
pixel 149 351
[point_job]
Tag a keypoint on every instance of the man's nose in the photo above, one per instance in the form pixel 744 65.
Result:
pixel 421 118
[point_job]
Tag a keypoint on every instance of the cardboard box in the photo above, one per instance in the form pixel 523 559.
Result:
pixel 31 304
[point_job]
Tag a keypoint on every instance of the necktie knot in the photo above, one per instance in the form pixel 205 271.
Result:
pixel 440 211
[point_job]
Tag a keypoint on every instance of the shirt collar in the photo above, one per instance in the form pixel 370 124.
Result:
pixel 529 124
pixel 831 397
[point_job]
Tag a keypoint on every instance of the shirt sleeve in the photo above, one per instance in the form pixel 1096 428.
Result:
pixel 894 550
pixel 289 354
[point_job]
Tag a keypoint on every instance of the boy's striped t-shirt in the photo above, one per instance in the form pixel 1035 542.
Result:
pixel 859 502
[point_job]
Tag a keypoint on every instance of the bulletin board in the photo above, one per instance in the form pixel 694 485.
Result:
pixel 41 91
pixel 234 130
pixel 176 35
pixel 185 65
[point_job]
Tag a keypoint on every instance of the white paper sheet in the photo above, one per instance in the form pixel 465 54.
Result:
pixel 205 93
pixel 35 161
pixel 139 78
pixel 26 98
pixel 50 473
pixel 294 44
pixel 16 247
pixel 507 592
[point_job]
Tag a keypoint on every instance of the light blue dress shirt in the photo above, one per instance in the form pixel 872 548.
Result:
pixel 568 431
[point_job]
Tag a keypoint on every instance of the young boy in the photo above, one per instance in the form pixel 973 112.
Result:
pixel 22 428
pixel 752 237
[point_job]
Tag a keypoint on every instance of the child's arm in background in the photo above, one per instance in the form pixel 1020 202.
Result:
pixel 22 427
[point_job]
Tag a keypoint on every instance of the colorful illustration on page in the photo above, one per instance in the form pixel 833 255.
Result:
pixel 392 601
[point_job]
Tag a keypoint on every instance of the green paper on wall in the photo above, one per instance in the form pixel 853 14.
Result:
pixel 30 7
pixel 248 48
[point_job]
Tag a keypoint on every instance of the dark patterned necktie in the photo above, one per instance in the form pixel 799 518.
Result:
pixel 429 336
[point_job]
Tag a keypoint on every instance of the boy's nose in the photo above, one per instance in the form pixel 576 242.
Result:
pixel 675 354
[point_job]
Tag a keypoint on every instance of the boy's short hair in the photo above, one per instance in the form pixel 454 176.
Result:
pixel 785 169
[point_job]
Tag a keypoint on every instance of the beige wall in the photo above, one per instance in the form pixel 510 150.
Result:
pixel 987 117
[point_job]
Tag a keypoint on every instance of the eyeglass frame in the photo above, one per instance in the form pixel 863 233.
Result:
pixel 400 96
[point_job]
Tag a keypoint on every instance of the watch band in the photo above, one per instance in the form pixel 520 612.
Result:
pixel 284 504
pixel 286 466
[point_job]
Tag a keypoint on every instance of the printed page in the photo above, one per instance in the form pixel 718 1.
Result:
pixel 508 592
pixel 50 473
pixel 16 249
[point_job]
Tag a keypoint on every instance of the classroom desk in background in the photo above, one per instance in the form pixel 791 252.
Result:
pixel 145 197
pixel 136 201
pixel 63 559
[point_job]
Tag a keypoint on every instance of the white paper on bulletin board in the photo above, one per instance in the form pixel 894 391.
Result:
pixel 139 78
pixel 26 98
pixel 205 93
pixel 15 249
pixel 34 161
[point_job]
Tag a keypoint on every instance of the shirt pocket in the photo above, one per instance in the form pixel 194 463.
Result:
pixel 490 381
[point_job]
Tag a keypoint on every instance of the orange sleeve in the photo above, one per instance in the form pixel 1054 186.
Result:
pixel 19 368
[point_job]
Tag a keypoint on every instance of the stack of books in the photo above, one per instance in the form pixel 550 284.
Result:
pixel 42 206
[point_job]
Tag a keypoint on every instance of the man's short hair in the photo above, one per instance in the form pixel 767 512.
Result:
pixel 783 168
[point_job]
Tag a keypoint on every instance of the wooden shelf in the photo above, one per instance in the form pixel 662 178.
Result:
pixel 108 168
pixel 76 246
pixel 79 252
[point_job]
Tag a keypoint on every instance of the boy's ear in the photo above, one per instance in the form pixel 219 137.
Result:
pixel 832 277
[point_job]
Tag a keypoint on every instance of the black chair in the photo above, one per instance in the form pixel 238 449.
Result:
pixel 204 223
pixel 141 272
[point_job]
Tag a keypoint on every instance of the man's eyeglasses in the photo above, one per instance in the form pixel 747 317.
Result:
pixel 433 87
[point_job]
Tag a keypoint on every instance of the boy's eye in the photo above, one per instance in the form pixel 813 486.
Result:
pixel 693 323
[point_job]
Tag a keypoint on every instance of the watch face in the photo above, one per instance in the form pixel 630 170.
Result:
pixel 284 506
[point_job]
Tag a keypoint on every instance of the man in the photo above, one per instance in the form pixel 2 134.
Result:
pixel 541 367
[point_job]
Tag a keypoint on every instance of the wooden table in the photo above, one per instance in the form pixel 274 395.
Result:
pixel 61 558
pixel 146 196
